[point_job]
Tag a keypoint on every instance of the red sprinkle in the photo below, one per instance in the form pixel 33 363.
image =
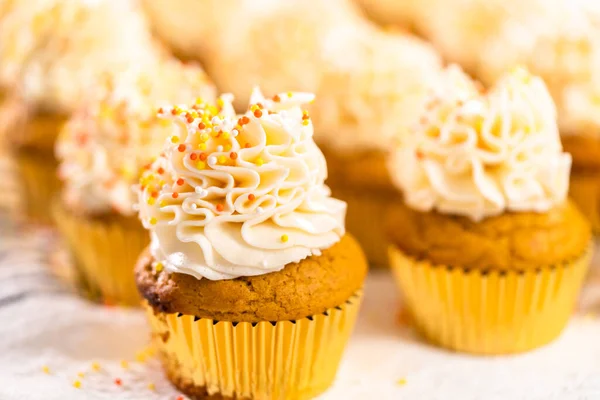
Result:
pixel 233 155
pixel 181 147
pixel 179 398
pixel 189 118
pixel 258 113
pixel 251 197
pixel 244 120
pixel 118 382
pixel 220 207
pixel 154 194
pixel 160 170
pixel 202 157
pixel 175 195
pixel 193 156
pixel 180 181
pixel 201 125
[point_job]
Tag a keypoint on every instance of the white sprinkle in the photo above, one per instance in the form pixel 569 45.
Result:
pixel 193 206
pixel 212 160
pixel 216 120
pixel 234 133
pixel 219 148
pixel 259 210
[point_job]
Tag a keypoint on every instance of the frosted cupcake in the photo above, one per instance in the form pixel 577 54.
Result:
pixel 252 286
pixel 487 250
pixel 102 151
pixel 51 55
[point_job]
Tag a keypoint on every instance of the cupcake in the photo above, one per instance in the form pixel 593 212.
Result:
pixel 51 59
pixel 486 248
pixel 251 285
pixel 102 151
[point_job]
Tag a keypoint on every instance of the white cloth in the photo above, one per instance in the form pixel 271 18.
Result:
pixel 43 324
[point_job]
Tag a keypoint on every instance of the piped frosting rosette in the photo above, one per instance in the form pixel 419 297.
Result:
pixel 235 196
pixel 480 155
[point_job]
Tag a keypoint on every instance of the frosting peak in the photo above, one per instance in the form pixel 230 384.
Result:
pixel 239 195
pixel 479 155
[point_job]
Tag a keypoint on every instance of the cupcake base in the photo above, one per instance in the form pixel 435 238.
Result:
pixel 489 312
pixel 104 251
pixel 297 359
pixel 585 192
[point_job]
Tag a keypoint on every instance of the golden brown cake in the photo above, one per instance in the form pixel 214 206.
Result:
pixel 585 192
pixel 249 263
pixel 487 250
pixel 102 151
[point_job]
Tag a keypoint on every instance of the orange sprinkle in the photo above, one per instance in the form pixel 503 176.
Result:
pixel 193 156
pixel 154 194
pixel 220 207
pixel 160 110
pixel 118 382
pixel 203 156
pixel 175 195
pixel 244 120
pixel 174 112
pixel 276 98
pixel 180 181
pixel 181 147
pixel 251 196
pixel 160 170
pixel 201 125
pixel 189 118
pixel 247 145
pixel 258 113
pixel 233 155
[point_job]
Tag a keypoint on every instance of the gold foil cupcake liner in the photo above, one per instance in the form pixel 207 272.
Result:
pixel 264 360
pixel 489 312
pixel 104 253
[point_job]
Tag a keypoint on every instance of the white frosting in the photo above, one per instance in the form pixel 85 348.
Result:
pixel 230 199
pixel 581 105
pixel 105 144
pixel 481 155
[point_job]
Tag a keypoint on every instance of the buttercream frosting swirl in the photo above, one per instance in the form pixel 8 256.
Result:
pixel 480 155
pixel 242 195
pixel 105 144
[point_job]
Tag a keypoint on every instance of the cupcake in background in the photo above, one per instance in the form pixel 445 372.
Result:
pixel 51 56
pixel 102 151
pixel 487 250
pixel 251 284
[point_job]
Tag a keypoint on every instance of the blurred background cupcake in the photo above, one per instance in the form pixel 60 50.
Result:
pixel 487 250
pixel 51 55
pixel 249 263
pixel 102 150
pixel 369 83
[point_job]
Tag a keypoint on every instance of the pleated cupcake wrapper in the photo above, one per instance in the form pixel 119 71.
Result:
pixel 365 219
pixel 584 189
pixel 38 184
pixel 494 312
pixel 265 360
pixel 104 254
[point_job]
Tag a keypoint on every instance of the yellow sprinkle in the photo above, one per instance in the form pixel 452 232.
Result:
pixel 152 221
pixel 77 384
pixel 199 100
pixel 151 386
pixel 212 109
pixel 227 147
pixel 124 364
pixel 151 201
pixel 259 161
pixel 284 238
pixel 220 102
pixel 200 165
pixel 289 94
pixel 95 366
pixel 140 356
pixel 305 122
pixel 222 159
pixel 163 203
pixel 202 146
pixel 253 107
pixel 46 369
pixel 80 374
pixel 174 139
pixel 161 183
pixel 159 267
pixel 225 135
pixel 401 382
pixel 203 137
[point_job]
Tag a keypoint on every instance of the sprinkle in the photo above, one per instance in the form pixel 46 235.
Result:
pixel 80 374
pixel 227 147
pixel 247 145
pixel 259 210
pixel 276 98
pixel 189 118
pixel 140 356
pixel 289 94
pixel 179 398
pixel 124 364
pixel 152 221
pixel 174 139
pixel 401 382
pixel 222 159
pixel 258 113
pixel 181 147
pixel 118 381
pixel 160 110
pixel 420 155
pixel 159 267
pixel 180 181
pixel 77 384
pixel 46 369
pixel 162 203
pixel 216 120
pixel 305 122
pixel 160 170
pixel 202 157
pixel 284 238
pixel 259 161
pixel 244 120
pixel 194 206
pixel 219 148
pixel 200 165
pixel 212 160
pixel 151 386
pixel 251 196
pixel 225 135
pixel 202 146
pixel 193 156
pixel 204 137
pixel 95 366
pixel 175 195
pixel 220 207
pixel 235 132
pixel 201 125
pixel 233 155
